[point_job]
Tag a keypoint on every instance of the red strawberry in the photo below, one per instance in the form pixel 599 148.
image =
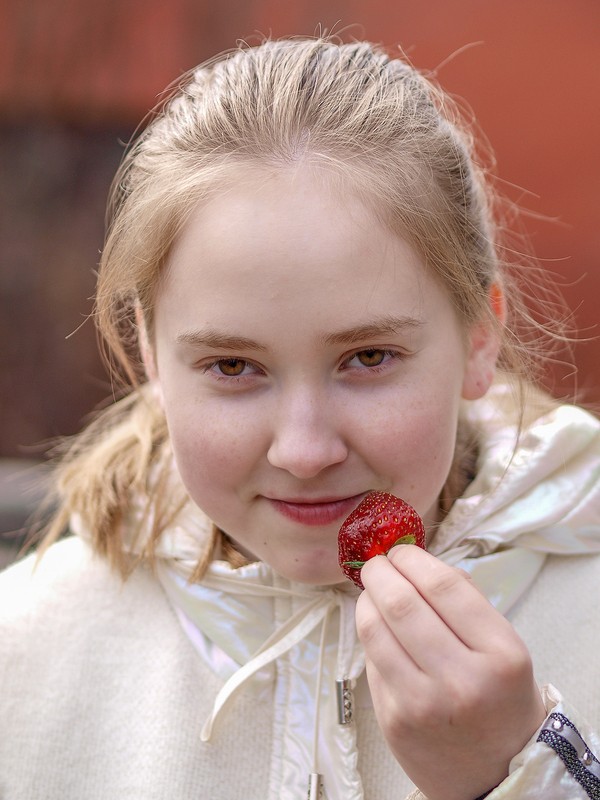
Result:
pixel 378 523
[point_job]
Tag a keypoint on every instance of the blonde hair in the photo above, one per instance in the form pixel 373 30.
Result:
pixel 366 119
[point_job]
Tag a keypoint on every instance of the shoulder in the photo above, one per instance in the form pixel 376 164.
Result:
pixel 568 582
pixel 547 469
pixel 506 414
pixel 63 569
pixel 72 587
pixel 559 621
pixel 64 563
pixel 71 617
pixel 98 681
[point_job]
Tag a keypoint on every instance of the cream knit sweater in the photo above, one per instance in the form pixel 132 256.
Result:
pixel 102 695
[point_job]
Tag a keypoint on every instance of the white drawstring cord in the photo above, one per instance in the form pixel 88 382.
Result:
pixel 315 757
pixel 206 605
pixel 315 784
pixel 292 632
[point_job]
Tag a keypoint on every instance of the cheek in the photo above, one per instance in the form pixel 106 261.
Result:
pixel 423 436
pixel 212 448
pixel 413 443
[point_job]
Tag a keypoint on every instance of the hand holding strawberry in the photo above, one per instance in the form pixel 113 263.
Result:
pixel 379 522
pixel 451 681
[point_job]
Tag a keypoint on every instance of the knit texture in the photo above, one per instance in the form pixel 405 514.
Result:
pixel 103 695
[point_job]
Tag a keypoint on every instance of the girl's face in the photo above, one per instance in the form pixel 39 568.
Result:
pixel 305 356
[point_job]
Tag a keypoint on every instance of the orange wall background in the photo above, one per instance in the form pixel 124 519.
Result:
pixel 86 71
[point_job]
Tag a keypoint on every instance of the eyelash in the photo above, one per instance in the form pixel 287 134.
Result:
pixel 212 367
pixel 388 355
pixel 220 376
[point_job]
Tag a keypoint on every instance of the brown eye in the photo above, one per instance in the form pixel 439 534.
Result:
pixel 371 358
pixel 231 367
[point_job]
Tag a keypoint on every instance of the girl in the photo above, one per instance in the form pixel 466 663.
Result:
pixel 304 259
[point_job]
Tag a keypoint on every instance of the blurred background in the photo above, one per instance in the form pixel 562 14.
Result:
pixel 77 76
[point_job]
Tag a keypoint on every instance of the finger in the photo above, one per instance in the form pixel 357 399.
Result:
pixel 382 648
pixel 454 597
pixel 416 626
pixel 393 703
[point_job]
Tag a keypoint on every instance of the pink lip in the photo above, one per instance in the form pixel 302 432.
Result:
pixel 322 512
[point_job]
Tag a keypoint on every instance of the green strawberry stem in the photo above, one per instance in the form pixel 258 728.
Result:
pixel 408 539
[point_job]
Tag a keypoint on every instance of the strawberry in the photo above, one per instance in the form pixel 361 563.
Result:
pixel 378 523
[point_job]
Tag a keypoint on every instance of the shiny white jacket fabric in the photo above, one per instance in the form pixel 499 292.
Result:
pixel 226 689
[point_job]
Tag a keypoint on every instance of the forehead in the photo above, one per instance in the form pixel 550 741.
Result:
pixel 291 242
pixel 282 209
pixel 284 224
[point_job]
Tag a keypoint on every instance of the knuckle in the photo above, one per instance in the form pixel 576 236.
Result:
pixel 514 666
pixel 464 574
pixel 467 701
pixel 443 582
pixel 424 712
pixel 392 719
pixel 399 721
pixel 397 606
pixel 459 695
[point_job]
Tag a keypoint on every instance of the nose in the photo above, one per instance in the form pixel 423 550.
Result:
pixel 306 436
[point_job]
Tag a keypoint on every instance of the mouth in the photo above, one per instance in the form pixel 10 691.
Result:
pixel 321 511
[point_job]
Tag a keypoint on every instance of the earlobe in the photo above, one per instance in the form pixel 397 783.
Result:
pixel 481 364
pixel 484 348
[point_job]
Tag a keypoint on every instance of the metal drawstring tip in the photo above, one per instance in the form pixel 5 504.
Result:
pixel 344 701
pixel 315 786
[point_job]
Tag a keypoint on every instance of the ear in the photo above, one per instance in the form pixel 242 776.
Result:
pixel 483 344
pixel 144 343
pixel 147 354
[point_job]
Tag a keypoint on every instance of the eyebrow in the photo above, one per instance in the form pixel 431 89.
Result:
pixel 218 340
pixel 386 326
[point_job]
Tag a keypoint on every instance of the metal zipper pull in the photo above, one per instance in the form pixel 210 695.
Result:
pixel 315 786
pixel 344 701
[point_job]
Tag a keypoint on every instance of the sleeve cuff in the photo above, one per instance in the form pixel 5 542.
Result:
pixel 561 761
